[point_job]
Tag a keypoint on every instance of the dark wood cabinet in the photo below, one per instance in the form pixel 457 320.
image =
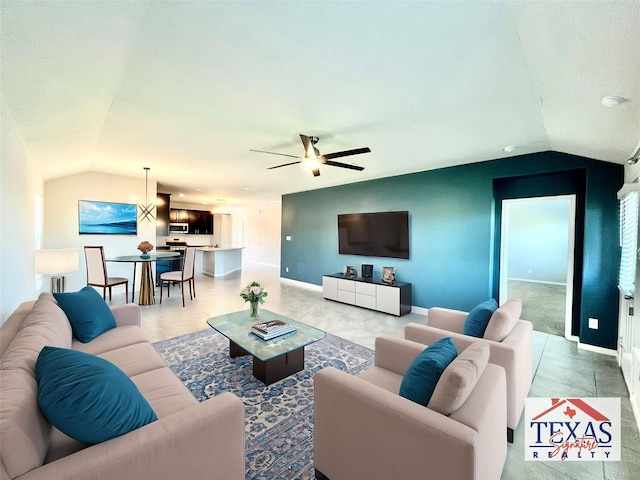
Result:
pixel 162 214
pixel 200 222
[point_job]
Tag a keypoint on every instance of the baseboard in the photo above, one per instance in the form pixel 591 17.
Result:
pixel 596 349
pixel 420 310
pixel 298 283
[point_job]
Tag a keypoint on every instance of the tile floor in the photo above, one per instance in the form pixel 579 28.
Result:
pixel 560 369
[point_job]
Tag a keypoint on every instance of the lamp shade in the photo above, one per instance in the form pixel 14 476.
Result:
pixel 56 261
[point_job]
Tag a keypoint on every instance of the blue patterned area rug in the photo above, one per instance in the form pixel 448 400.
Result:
pixel 278 418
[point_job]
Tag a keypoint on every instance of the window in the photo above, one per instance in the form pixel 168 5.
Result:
pixel 628 237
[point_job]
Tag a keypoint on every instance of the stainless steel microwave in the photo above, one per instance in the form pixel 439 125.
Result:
pixel 178 228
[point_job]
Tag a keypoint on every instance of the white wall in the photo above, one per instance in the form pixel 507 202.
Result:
pixel 61 219
pixel 538 237
pixel 260 229
pixel 19 184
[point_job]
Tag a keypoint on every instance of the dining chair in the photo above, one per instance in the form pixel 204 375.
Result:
pixel 97 275
pixel 182 276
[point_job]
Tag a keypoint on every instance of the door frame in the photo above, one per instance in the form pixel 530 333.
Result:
pixel 503 248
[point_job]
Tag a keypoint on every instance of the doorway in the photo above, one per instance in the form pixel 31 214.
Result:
pixel 537 247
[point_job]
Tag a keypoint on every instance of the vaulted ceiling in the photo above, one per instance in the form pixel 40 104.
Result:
pixel 187 88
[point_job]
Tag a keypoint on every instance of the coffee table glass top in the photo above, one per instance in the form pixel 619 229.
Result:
pixel 237 328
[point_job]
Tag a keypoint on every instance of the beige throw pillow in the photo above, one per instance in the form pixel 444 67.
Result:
pixel 459 379
pixel 503 320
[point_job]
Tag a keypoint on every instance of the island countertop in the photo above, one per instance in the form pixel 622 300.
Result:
pixel 220 261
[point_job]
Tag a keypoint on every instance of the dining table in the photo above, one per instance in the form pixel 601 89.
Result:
pixel 147 287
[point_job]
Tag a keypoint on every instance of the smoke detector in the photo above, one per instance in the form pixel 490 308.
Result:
pixel 611 101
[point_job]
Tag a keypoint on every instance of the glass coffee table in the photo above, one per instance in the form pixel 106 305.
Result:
pixel 273 359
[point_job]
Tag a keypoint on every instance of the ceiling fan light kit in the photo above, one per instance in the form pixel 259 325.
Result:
pixel 313 159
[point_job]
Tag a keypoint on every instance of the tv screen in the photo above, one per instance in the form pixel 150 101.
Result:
pixel 383 234
pixel 107 218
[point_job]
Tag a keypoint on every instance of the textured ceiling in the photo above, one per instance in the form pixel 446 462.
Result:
pixel 188 88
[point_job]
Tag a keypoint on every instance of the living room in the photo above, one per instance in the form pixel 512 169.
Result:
pixel 452 190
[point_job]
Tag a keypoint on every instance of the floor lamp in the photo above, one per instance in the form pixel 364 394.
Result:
pixel 57 262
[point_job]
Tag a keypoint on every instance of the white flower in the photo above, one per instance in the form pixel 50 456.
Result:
pixel 256 290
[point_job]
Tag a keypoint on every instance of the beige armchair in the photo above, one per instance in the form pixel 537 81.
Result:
pixel 514 353
pixel 364 429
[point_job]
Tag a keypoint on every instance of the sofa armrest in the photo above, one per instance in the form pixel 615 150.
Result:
pixel 203 441
pixel 446 319
pixel 396 354
pixel 127 314
pixel 364 431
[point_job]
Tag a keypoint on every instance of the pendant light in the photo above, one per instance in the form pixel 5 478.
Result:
pixel 146 209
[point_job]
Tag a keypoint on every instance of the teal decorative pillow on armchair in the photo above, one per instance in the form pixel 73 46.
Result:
pixel 87 312
pixel 88 398
pixel 478 318
pixel 423 374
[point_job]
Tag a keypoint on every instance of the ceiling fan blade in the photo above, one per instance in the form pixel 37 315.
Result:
pixel 343 165
pixel 316 172
pixel 284 165
pixel 274 153
pixel 309 150
pixel 346 153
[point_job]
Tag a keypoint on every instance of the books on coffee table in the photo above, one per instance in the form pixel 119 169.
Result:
pixel 272 329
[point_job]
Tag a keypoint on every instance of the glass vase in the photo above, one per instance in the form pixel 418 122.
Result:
pixel 254 310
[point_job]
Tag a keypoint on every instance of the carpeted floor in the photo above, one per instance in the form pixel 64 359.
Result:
pixel 278 418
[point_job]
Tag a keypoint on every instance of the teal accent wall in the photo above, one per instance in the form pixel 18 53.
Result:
pixel 454 232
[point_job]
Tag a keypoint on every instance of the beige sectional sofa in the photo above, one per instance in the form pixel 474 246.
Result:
pixel 190 440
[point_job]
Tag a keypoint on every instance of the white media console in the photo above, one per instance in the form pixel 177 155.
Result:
pixel 368 293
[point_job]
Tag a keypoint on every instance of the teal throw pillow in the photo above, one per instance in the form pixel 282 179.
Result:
pixel 87 312
pixel 478 318
pixel 424 372
pixel 88 398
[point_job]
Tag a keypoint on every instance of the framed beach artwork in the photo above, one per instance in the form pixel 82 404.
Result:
pixel 107 218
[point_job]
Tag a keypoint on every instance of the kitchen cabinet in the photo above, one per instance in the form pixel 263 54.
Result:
pixel 162 214
pixel 200 221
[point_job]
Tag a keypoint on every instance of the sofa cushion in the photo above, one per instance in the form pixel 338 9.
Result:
pixel 424 372
pixel 25 433
pixel 478 318
pixel 88 313
pixel 503 320
pixel 459 378
pixel 87 397
pixel 45 325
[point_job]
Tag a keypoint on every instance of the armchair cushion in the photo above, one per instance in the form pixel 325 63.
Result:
pixel 503 320
pixel 87 397
pixel 87 312
pixel 423 374
pixel 478 318
pixel 459 379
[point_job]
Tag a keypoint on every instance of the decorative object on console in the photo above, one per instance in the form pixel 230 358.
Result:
pixel 388 276
pixel 56 262
pixel 145 247
pixel 146 209
pixel 254 293
pixel 367 270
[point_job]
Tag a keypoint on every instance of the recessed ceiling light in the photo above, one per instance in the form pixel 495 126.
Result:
pixel 250 188
pixel 181 194
pixel 510 148
pixel 612 101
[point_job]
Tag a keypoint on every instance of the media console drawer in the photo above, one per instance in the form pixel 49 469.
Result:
pixel 368 293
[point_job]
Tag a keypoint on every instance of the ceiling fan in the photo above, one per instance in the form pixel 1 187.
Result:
pixel 312 154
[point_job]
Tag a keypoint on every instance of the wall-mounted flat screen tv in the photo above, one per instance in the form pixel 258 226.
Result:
pixel 382 234
pixel 107 218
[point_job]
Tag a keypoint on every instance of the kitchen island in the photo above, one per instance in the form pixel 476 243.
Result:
pixel 218 262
